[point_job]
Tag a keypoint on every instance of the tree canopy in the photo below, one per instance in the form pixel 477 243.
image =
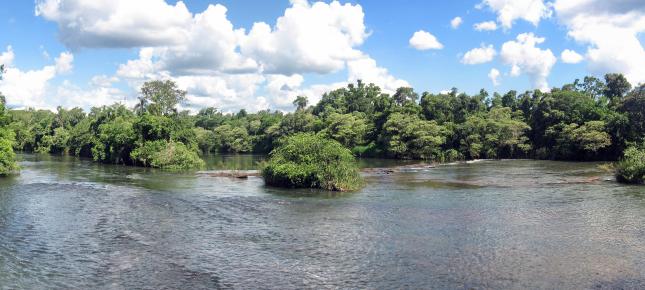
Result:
pixel 592 119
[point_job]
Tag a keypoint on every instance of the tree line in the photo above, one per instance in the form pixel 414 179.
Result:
pixel 589 119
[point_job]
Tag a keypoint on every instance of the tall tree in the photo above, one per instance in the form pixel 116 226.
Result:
pixel 161 97
pixel 301 103
pixel 617 86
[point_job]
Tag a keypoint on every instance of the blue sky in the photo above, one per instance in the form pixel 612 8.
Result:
pixel 231 67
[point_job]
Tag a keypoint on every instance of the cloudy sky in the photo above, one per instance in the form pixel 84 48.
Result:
pixel 259 54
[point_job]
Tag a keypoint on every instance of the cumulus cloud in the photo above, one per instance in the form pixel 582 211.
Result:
pixel 33 88
pixel 218 64
pixel 6 58
pixel 456 22
pixel 316 38
pixel 493 75
pixel 423 40
pixel 64 63
pixel 367 70
pixel 611 30
pixel 69 95
pixel 116 23
pixel 485 26
pixel 480 55
pixel 524 57
pixel 570 56
pixel 510 10
pixel 226 92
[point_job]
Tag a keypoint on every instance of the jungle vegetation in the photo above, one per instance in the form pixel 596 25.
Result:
pixel 589 119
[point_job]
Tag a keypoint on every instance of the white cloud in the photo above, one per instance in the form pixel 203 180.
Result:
pixel 6 58
pixel 316 38
pixel 116 23
pixel 510 10
pixel 64 63
pixel 456 22
pixel 611 30
pixel 485 26
pixel 524 57
pixel 218 64
pixel 493 75
pixel 210 46
pixel 24 88
pixel 570 56
pixel 103 81
pixel 227 92
pixel 479 55
pixel 33 88
pixel 69 95
pixel 422 40
pixel 367 70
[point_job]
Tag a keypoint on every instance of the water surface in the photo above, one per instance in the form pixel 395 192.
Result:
pixel 67 223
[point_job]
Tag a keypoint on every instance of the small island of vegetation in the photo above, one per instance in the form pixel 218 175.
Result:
pixel 308 160
pixel 631 169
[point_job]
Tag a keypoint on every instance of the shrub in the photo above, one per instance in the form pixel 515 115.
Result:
pixel 631 169
pixel 167 155
pixel 306 160
pixel 7 157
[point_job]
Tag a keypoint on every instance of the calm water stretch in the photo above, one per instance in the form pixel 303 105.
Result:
pixel 67 223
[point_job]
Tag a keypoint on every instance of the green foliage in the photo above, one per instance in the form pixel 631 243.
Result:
pixel 634 107
pixel 115 141
pixel 593 119
pixel 407 136
pixel 631 169
pixel 206 140
pixel 7 156
pixel 617 86
pixel 167 155
pixel 301 103
pixel 160 98
pixel 496 134
pixel 306 160
pixel 349 129
pixel 232 139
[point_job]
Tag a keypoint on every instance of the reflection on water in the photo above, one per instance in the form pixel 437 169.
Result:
pixel 69 223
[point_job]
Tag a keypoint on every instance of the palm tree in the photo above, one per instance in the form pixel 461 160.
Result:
pixel 140 108
pixel 301 103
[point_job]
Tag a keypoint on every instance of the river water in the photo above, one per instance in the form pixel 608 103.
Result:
pixel 67 223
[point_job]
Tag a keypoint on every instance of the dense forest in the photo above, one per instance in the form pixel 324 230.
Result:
pixel 592 119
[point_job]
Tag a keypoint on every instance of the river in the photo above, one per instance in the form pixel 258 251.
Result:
pixel 67 223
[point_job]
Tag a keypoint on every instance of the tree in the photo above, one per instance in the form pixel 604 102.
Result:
pixel 631 168
pixel 592 86
pixel 232 139
pixel 116 139
pixel 509 99
pixel 404 95
pixel 634 107
pixel 407 136
pixel 7 156
pixel 160 98
pixel 301 103
pixel 307 160
pixel 348 129
pixel 617 86
pixel 167 155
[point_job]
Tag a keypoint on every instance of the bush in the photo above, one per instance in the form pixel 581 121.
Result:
pixel 7 157
pixel 306 160
pixel 631 169
pixel 167 155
